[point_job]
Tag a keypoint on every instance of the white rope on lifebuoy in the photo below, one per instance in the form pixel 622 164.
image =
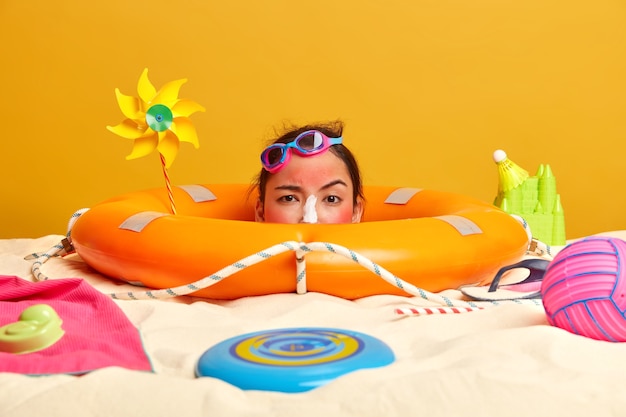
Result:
pixel 300 249
pixel 535 247
pixel 60 248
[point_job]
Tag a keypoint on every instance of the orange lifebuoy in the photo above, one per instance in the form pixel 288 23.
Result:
pixel 435 240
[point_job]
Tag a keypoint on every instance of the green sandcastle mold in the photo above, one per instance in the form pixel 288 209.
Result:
pixel 537 201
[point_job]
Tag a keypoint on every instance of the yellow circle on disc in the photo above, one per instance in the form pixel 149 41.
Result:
pixel 296 355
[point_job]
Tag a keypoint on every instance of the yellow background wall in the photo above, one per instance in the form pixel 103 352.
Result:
pixel 428 90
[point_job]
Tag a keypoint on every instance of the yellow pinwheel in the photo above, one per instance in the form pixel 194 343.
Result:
pixel 156 119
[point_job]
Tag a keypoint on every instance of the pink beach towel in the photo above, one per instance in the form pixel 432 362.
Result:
pixel 97 333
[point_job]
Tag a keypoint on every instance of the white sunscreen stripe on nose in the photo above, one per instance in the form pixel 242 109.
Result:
pixel 310 214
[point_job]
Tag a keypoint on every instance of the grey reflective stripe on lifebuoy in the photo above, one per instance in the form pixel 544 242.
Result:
pixel 464 225
pixel 137 222
pixel 401 195
pixel 198 193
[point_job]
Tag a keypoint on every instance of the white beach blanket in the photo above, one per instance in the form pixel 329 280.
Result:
pixel 503 360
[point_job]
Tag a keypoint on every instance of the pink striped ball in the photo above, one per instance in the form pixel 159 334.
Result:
pixel 584 289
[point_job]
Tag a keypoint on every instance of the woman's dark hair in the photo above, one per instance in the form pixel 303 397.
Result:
pixel 332 129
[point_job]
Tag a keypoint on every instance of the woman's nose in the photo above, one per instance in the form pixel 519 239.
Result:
pixel 309 214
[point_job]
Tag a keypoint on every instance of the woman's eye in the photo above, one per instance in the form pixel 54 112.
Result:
pixel 287 198
pixel 333 199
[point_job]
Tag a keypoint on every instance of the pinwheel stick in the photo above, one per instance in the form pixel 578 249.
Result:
pixel 168 184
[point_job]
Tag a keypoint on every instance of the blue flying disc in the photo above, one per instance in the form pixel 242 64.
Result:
pixel 292 360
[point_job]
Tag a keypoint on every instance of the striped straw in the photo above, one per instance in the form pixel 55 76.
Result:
pixel 423 311
pixel 168 184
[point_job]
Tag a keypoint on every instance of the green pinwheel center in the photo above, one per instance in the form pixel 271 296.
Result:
pixel 159 117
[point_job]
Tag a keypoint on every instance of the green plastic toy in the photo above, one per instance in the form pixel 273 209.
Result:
pixel 38 327
pixel 535 199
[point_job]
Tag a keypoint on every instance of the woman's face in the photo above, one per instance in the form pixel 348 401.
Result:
pixel 321 179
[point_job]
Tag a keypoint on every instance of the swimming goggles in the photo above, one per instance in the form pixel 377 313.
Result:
pixel 309 143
